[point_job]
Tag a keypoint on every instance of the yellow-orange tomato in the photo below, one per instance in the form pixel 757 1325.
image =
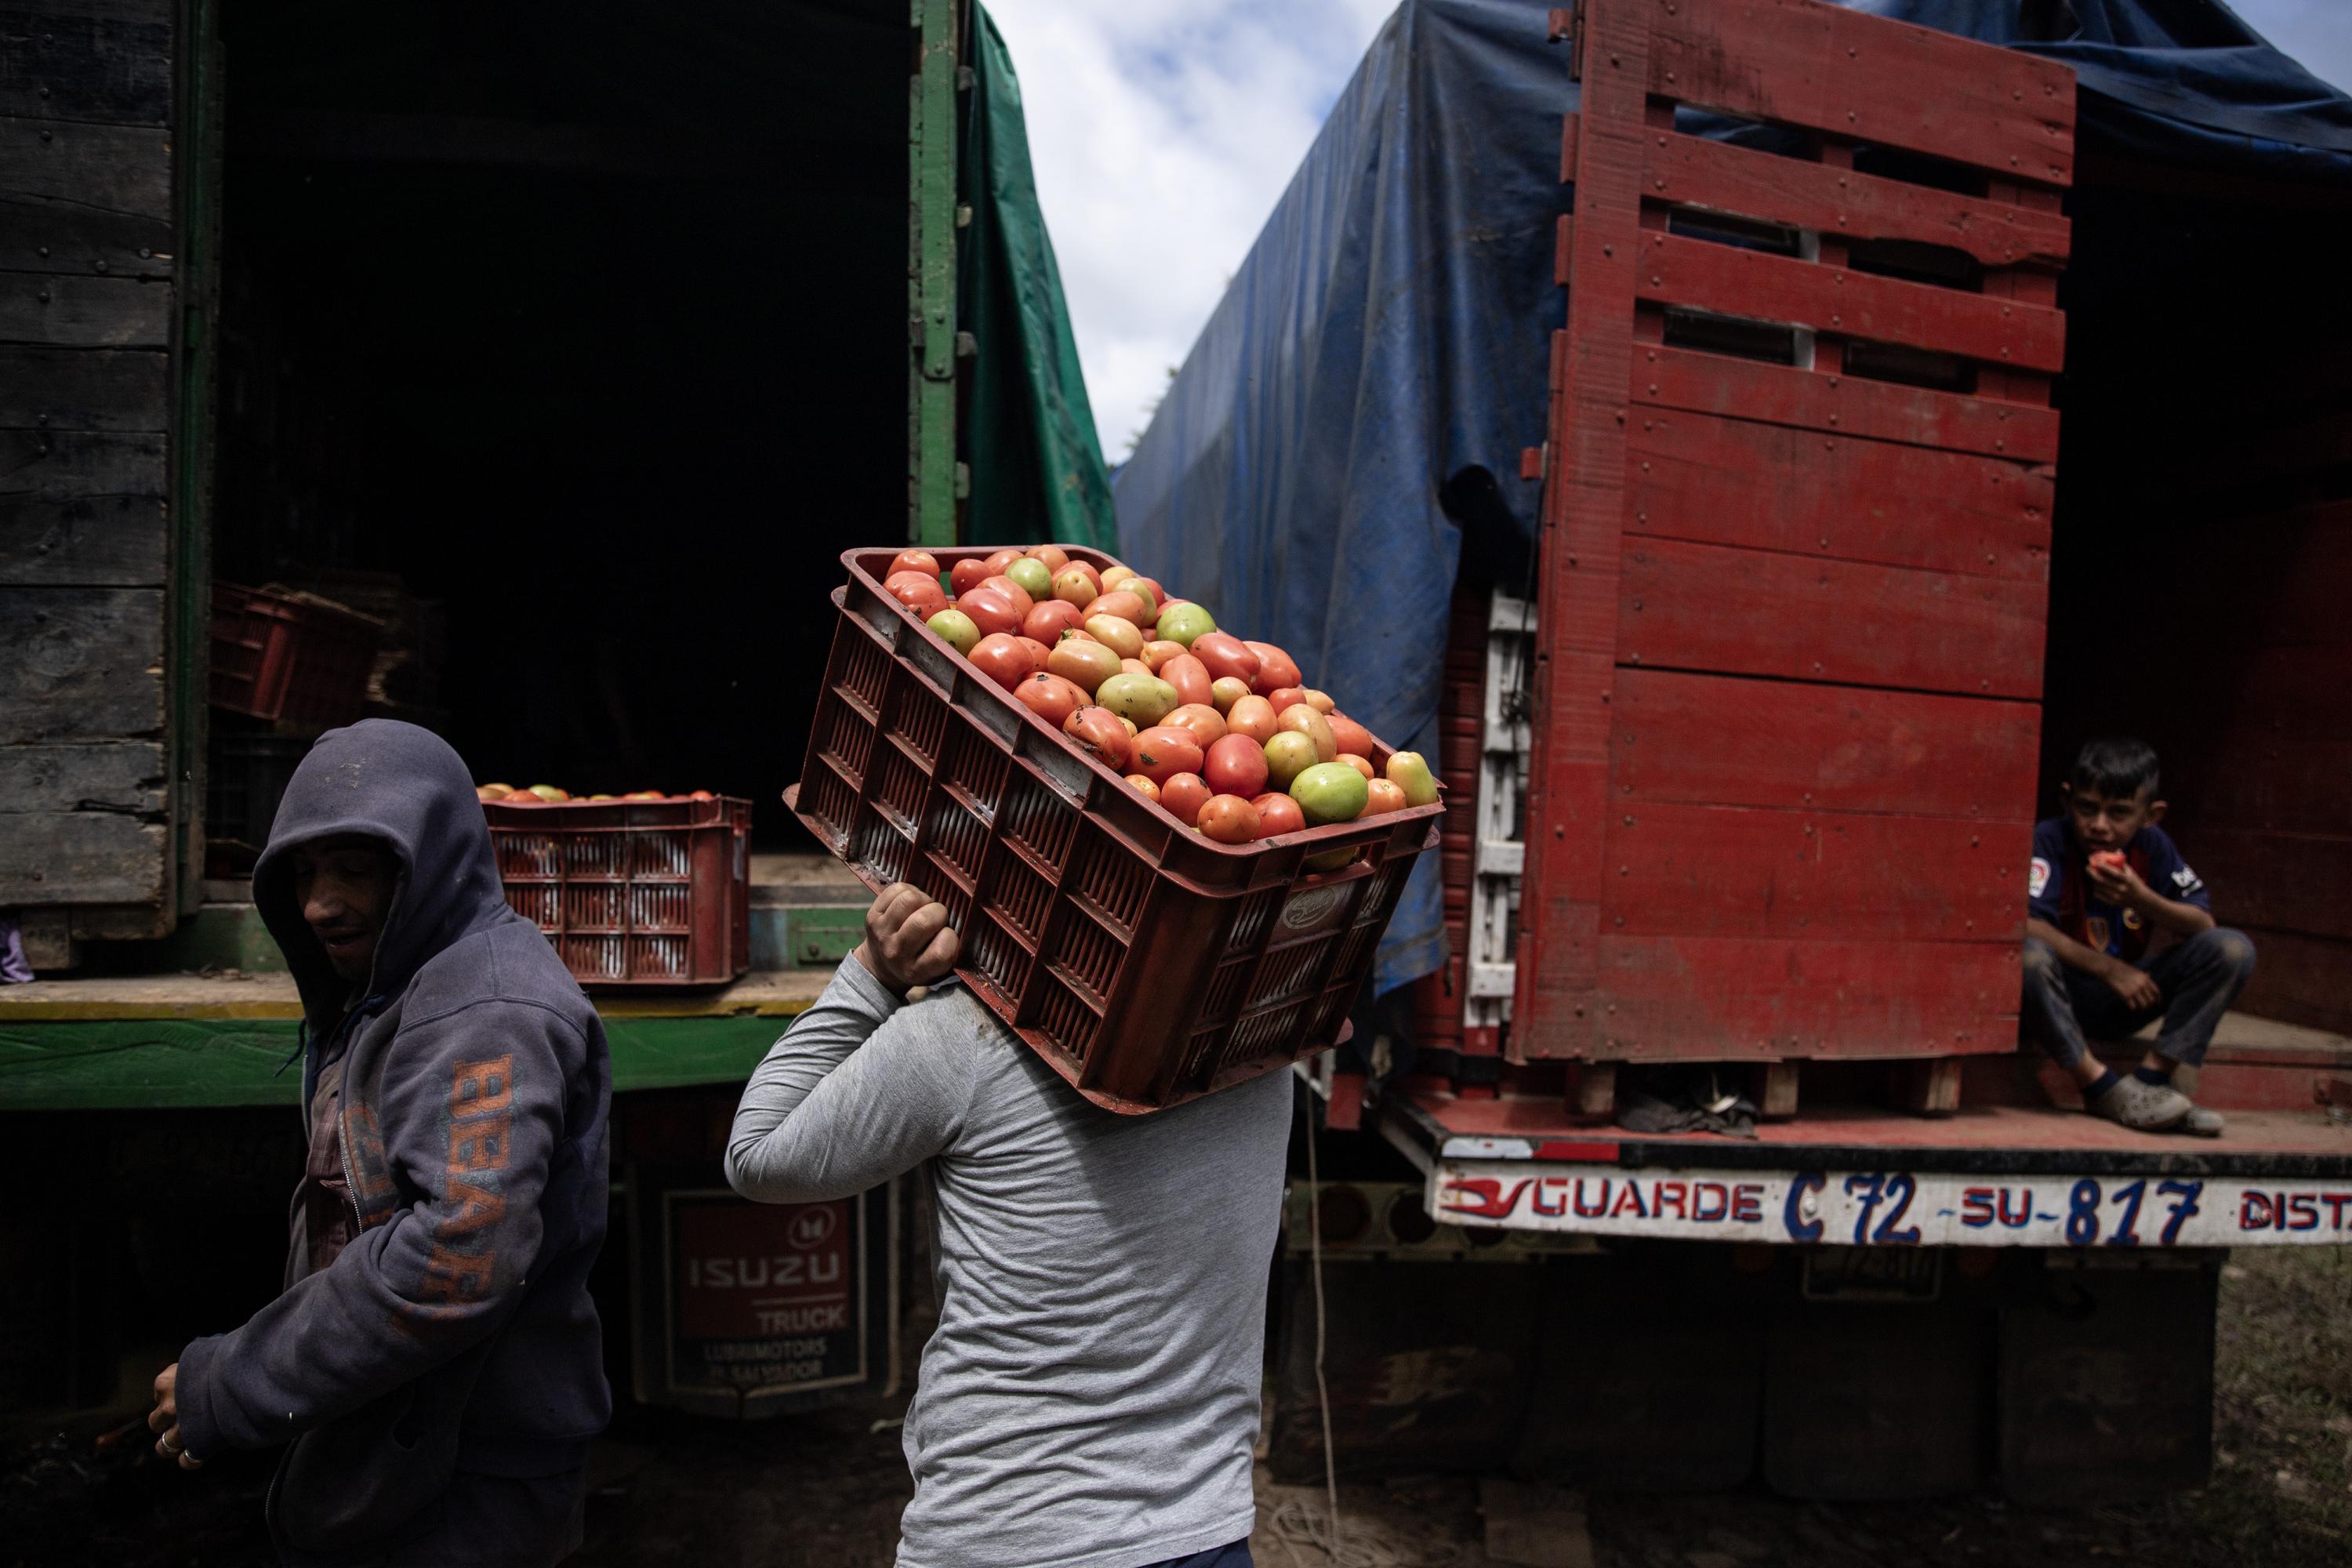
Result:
pixel 1184 795
pixel 1121 637
pixel 1114 574
pixel 1382 795
pixel 1134 667
pixel 1124 605
pixel 1361 765
pixel 1088 662
pixel 1228 819
pixel 1143 787
pixel 1299 716
pixel 1320 701
pixel 1074 586
pixel 1161 651
pixel 1250 716
pixel 1053 555
pixel 1207 724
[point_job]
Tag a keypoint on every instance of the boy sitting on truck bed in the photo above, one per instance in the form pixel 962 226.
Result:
pixel 2119 931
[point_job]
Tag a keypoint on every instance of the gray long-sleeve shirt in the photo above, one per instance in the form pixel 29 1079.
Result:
pixel 1090 1397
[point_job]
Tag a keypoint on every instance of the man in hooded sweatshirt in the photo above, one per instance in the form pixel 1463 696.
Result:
pixel 435 1357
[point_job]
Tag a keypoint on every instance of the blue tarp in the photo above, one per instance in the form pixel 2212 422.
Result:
pixel 1389 328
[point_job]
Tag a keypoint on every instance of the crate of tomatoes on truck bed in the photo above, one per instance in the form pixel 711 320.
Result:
pixel 643 889
pixel 1168 860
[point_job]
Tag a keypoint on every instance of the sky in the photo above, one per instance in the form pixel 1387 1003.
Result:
pixel 1162 131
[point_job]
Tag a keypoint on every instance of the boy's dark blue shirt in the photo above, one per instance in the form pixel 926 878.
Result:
pixel 2058 888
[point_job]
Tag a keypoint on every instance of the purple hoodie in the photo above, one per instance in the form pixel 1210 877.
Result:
pixel 454 1330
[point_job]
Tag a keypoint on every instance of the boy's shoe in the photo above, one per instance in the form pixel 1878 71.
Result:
pixel 2143 1106
pixel 2201 1123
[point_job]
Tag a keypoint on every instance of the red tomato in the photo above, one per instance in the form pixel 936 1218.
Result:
pixel 1235 766
pixel 1010 590
pixel 1050 696
pixel 1053 555
pixel 1040 655
pixel 1162 751
pixel 1226 654
pixel 1188 675
pixel 1286 697
pixel 997 563
pixel 1354 739
pixel 1184 795
pixel 990 610
pixel 1099 731
pixel 1000 656
pixel 1250 716
pixel 919 594
pixel 1380 796
pixel 1120 604
pixel 1159 652
pixel 1278 814
pixel 921 561
pixel 1199 720
pixel 1155 595
pixel 966 575
pixel 1048 619
pixel 1275 668
pixel 1228 819
pixel 1143 787
pixel 2109 860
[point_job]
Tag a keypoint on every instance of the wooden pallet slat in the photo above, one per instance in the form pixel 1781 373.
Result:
pixel 1706 383
pixel 1727 280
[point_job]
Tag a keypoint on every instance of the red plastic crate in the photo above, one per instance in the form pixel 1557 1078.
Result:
pixel 281 658
pixel 1147 964
pixel 641 892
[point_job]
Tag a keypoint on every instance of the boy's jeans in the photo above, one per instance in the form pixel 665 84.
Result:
pixel 2200 978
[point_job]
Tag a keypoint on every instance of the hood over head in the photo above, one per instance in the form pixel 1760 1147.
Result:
pixel 406 786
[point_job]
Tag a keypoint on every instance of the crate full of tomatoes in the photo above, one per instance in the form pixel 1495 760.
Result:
pixel 1168 860
pixel 643 888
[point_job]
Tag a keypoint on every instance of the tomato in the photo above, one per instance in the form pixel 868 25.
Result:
pixel 921 561
pixel 1226 654
pixel 1123 605
pixel 1184 795
pixel 1287 756
pixel 1143 697
pixel 1277 814
pixel 1048 619
pixel 1159 650
pixel 1022 599
pixel 1380 796
pixel 1180 620
pixel 1162 751
pixel 1117 635
pixel 1050 696
pixel 1235 766
pixel 1053 555
pixel 1032 577
pixel 1320 701
pixel 1353 739
pixel 1299 716
pixel 1088 664
pixel 1114 574
pixel 966 575
pixel 1004 658
pixel 1224 692
pixel 1143 787
pixel 1275 668
pixel 1410 772
pixel 1284 697
pixel 1188 676
pixel 1135 667
pixel 2109 860
pixel 1152 594
pixel 990 610
pixel 919 594
pixel 1250 716
pixel 1362 766
pixel 997 563
pixel 1329 792
pixel 1099 731
pixel 1228 819
pixel 1199 720
pixel 1077 585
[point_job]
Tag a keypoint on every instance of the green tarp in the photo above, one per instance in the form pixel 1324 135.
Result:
pixel 1028 433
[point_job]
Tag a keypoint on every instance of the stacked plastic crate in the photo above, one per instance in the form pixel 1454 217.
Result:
pixel 1471 1055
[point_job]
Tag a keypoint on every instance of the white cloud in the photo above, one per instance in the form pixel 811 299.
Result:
pixel 1162 133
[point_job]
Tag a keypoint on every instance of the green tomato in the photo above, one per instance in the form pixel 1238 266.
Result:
pixel 1186 621
pixel 1329 791
pixel 1141 700
pixel 1288 754
pixel 1409 772
pixel 956 629
pixel 1031 577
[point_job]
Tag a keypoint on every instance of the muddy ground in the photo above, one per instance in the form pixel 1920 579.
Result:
pixel 826 1490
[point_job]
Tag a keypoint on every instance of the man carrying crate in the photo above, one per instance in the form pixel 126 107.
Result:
pixel 1090 1397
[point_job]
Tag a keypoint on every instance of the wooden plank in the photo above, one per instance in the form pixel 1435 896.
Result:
pixel 2282 881
pixel 1691 171
pixel 1770 487
pixel 1583 510
pixel 115 542
pixel 1926 1086
pixel 85 389
pixel 95 312
pixel 1849 405
pixel 1867 78
pixel 38 235
pixel 83 664
pixel 65 464
pixel 2257 771
pixel 2300 979
pixel 1733 998
pixel 111 776
pixel 64 63
pixel 82 856
pixel 111 168
pixel 1727 280
pixel 1699 870
pixel 1754 612
pixel 1774 1089
pixel 1706 739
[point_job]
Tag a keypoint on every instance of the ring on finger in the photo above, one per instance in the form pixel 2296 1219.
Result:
pixel 170 1449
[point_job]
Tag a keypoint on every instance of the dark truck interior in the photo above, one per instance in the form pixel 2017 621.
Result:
pixel 572 340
